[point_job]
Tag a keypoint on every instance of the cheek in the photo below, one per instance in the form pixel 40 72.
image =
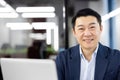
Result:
pixel 79 36
pixel 97 34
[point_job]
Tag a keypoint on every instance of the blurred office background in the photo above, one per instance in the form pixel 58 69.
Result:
pixel 41 28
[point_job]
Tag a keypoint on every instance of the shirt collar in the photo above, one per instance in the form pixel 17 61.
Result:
pixel 94 53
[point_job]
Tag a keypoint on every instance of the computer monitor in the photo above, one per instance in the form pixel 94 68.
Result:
pixel 28 69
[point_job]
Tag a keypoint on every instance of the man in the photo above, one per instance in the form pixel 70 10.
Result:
pixel 89 60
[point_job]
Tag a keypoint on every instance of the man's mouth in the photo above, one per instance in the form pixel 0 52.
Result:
pixel 88 40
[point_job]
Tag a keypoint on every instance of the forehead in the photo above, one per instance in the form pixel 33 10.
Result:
pixel 86 20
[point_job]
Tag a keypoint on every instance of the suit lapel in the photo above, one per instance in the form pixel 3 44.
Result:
pixel 101 63
pixel 75 63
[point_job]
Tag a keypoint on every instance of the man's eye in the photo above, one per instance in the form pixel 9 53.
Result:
pixel 81 28
pixel 92 27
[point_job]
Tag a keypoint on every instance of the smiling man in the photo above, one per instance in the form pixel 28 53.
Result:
pixel 89 60
pixel 87 31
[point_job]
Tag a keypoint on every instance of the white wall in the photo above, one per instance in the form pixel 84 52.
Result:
pixel 13 37
pixel 117 28
pixel 19 37
pixel 4 32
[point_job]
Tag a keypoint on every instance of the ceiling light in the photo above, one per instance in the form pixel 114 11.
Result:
pixel 2 2
pixel 5 10
pixel 38 36
pixel 56 39
pixel 43 25
pixel 19 26
pixel 111 14
pixel 8 15
pixel 35 9
pixel 49 36
pixel 38 15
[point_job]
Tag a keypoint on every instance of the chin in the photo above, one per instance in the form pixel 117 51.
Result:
pixel 89 46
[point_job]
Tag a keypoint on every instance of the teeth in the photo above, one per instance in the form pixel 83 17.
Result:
pixel 88 40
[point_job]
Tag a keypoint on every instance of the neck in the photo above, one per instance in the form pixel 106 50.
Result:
pixel 88 53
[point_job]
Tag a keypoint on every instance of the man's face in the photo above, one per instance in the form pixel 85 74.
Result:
pixel 87 31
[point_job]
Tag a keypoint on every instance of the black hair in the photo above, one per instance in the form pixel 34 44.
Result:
pixel 86 12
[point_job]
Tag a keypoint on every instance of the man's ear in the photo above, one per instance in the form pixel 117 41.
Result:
pixel 73 31
pixel 101 28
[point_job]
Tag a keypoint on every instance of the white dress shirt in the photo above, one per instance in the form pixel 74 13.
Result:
pixel 87 67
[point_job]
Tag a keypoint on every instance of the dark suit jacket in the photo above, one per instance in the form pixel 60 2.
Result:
pixel 107 64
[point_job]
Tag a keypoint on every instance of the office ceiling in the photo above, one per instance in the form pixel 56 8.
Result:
pixel 16 3
pixel 26 2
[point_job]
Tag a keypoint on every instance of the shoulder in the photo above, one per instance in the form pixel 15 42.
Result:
pixel 112 51
pixel 109 52
pixel 68 53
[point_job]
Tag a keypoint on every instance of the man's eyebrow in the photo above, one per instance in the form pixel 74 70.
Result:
pixel 92 23
pixel 80 25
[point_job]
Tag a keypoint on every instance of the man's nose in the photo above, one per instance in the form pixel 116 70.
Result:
pixel 87 32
